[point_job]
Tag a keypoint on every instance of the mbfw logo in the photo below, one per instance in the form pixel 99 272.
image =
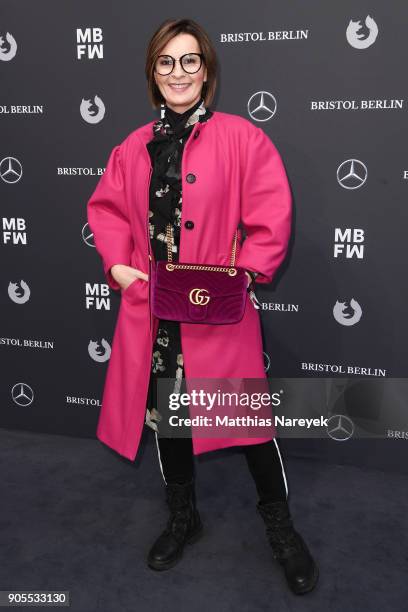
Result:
pixel 352 174
pixel 89 43
pixel 97 296
pixel 8 47
pixel 11 170
pixel 262 106
pixel 92 112
pixel 14 230
pixel 99 351
pixel 19 294
pixel 347 313
pixel 361 37
pixel 349 243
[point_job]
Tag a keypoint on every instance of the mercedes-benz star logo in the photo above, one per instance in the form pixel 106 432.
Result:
pixel 352 174
pixel 340 427
pixel 87 235
pixel 22 394
pixel 262 106
pixel 11 170
pixel 267 361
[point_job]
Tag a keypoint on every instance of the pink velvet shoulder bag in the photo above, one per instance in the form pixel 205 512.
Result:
pixel 197 293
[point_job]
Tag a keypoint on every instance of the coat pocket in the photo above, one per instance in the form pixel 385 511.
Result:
pixel 134 289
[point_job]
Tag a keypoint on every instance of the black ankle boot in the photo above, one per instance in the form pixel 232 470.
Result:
pixel 288 547
pixel 183 526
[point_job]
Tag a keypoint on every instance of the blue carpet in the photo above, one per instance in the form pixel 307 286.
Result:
pixel 76 516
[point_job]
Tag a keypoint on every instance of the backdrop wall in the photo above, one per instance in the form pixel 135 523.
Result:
pixel 324 80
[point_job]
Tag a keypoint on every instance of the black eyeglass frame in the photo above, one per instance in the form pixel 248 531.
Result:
pixel 201 56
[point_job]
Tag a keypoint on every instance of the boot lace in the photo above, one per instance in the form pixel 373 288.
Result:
pixel 284 539
pixel 181 514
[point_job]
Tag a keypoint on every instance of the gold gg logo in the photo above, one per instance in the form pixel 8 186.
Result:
pixel 196 296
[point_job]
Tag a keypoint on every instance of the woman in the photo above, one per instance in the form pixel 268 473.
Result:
pixel 202 172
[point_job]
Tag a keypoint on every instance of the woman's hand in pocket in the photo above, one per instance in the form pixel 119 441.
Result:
pixel 125 275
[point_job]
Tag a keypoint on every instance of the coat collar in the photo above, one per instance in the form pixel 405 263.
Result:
pixel 145 132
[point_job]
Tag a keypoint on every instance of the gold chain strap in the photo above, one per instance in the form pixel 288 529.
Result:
pixel 171 266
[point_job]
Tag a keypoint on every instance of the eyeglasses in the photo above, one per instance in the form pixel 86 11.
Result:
pixel 190 62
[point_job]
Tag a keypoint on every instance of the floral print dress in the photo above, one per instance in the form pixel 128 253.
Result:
pixel 170 134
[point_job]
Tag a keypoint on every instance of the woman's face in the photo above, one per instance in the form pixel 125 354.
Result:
pixel 181 99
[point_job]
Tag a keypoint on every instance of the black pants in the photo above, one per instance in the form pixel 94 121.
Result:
pixel 264 463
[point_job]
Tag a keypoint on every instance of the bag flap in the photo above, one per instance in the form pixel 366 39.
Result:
pixel 182 281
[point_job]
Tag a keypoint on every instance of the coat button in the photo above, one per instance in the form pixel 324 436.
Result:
pixel 190 178
pixel 189 224
pixel 196 135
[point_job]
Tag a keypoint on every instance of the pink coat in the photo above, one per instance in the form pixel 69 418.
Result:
pixel 239 176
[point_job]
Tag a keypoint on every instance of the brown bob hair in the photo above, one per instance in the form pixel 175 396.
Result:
pixel 165 32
